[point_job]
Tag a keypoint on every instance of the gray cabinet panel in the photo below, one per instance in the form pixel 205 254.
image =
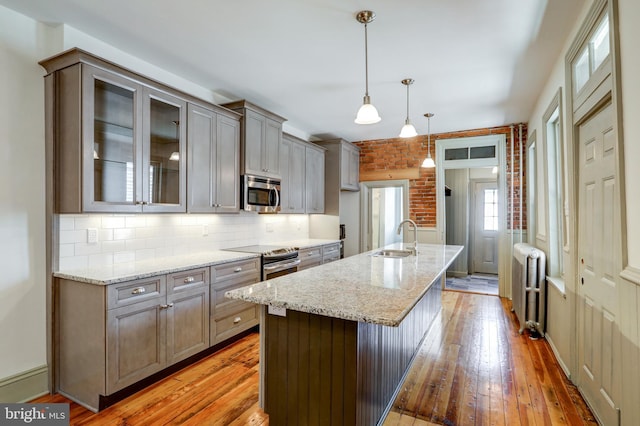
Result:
pixel 293 170
pixel 187 323
pixel 314 180
pixel 136 343
pixel 214 150
pixel 230 317
pixel 260 139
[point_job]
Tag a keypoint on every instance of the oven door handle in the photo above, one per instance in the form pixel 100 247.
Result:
pixel 282 266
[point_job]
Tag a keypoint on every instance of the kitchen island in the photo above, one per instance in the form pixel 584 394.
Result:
pixel 337 339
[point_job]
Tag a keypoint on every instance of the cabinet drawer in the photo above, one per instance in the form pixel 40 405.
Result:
pixel 331 250
pixel 127 293
pixel 231 325
pixel 185 280
pixel 220 305
pixel 226 270
pixel 310 257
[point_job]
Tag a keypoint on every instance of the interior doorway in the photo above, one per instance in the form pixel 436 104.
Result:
pixel 472 213
pixel 459 162
pixel 385 205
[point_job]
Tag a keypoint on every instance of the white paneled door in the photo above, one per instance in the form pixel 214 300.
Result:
pixel 485 228
pixel 599 265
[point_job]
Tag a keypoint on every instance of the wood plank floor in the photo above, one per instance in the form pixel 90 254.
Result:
pixel 473 369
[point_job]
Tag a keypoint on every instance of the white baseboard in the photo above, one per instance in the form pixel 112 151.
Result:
pixel 558 357
pixel 25 386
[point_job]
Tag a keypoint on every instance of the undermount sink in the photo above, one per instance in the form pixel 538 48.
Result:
pixel 392 253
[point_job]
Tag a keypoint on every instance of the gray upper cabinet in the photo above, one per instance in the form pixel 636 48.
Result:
pixel 120 140
pixel 214 155
pixel 302 167
pixel 260 139
pixel 293 168
pixel 314 180
pixel 345 157
pixel 349 167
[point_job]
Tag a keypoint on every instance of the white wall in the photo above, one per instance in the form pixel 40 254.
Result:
pixel 561 317
pixel 22 208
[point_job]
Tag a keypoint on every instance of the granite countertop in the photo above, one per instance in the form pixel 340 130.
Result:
pixel 361 288
pixel 120 272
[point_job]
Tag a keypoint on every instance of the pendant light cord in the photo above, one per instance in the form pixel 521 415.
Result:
pixel 407 120
pixel 366 62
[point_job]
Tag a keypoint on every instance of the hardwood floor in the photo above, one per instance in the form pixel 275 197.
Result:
pixel 473 369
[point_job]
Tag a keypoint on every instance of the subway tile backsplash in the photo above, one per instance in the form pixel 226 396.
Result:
pixel 127 238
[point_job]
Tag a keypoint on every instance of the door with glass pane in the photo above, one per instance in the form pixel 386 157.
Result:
pixel 134 140
pixel 164 150
pixel 485 228
pixel 112 141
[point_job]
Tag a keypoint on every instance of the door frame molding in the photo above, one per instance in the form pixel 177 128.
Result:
pixel 500 160
pixel 604 86
pixel 365 194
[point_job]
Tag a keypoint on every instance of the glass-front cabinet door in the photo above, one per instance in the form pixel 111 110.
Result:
pixel 165 135
pixel 134 141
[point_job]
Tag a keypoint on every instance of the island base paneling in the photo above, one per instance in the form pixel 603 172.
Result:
pixel 321 370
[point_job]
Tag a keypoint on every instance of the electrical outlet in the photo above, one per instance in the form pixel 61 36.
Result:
pixel 92 236
pixel 205 230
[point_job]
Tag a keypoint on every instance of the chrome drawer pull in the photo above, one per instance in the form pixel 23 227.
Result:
pixel 189 280
pixel 237 320
pixel 238 269
pixel 139 290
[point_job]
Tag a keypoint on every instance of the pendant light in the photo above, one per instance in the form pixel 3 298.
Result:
pixel 367 114
pixel 428 162
pixel 408 131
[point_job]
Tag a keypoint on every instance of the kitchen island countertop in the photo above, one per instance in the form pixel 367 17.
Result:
pixel 363 288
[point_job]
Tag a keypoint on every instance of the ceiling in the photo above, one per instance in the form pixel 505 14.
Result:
pixel 476 63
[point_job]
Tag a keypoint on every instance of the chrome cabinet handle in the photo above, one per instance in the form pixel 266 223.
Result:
pixel 189 280
pixel 237 320
pixel 167 306
pixel 139 290
pixel 238 269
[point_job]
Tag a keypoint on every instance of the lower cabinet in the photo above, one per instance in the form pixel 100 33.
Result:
pixel 318 255
pixel 230 317
pixel 330 252
pixel 110 337
pixel 310 257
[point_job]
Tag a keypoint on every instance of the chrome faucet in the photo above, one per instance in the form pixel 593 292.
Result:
pixel 414 250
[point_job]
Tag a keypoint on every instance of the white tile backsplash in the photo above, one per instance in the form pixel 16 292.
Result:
pixel 126 238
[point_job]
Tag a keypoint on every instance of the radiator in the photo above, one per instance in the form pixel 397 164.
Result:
pixel 528 285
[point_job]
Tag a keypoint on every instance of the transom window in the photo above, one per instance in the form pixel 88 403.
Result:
pixel 593 55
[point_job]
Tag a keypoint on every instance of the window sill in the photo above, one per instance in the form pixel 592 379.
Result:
pixel 558 283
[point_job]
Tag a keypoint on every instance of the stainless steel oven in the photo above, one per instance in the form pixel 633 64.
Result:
pixel 276 260
pixel 273 268
pixel 260 194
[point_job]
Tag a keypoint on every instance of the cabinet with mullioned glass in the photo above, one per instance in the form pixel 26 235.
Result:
pixel 120 139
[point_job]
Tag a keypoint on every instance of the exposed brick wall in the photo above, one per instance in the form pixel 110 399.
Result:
pixel 397 153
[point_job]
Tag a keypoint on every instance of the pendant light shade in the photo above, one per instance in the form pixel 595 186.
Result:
pixel 367 114
pixel 428 162
pixel 408 131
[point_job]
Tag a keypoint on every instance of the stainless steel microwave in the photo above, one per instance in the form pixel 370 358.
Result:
pixel 260 194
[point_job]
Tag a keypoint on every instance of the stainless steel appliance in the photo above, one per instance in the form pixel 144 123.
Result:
pixel 276 260
pixel 260 194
